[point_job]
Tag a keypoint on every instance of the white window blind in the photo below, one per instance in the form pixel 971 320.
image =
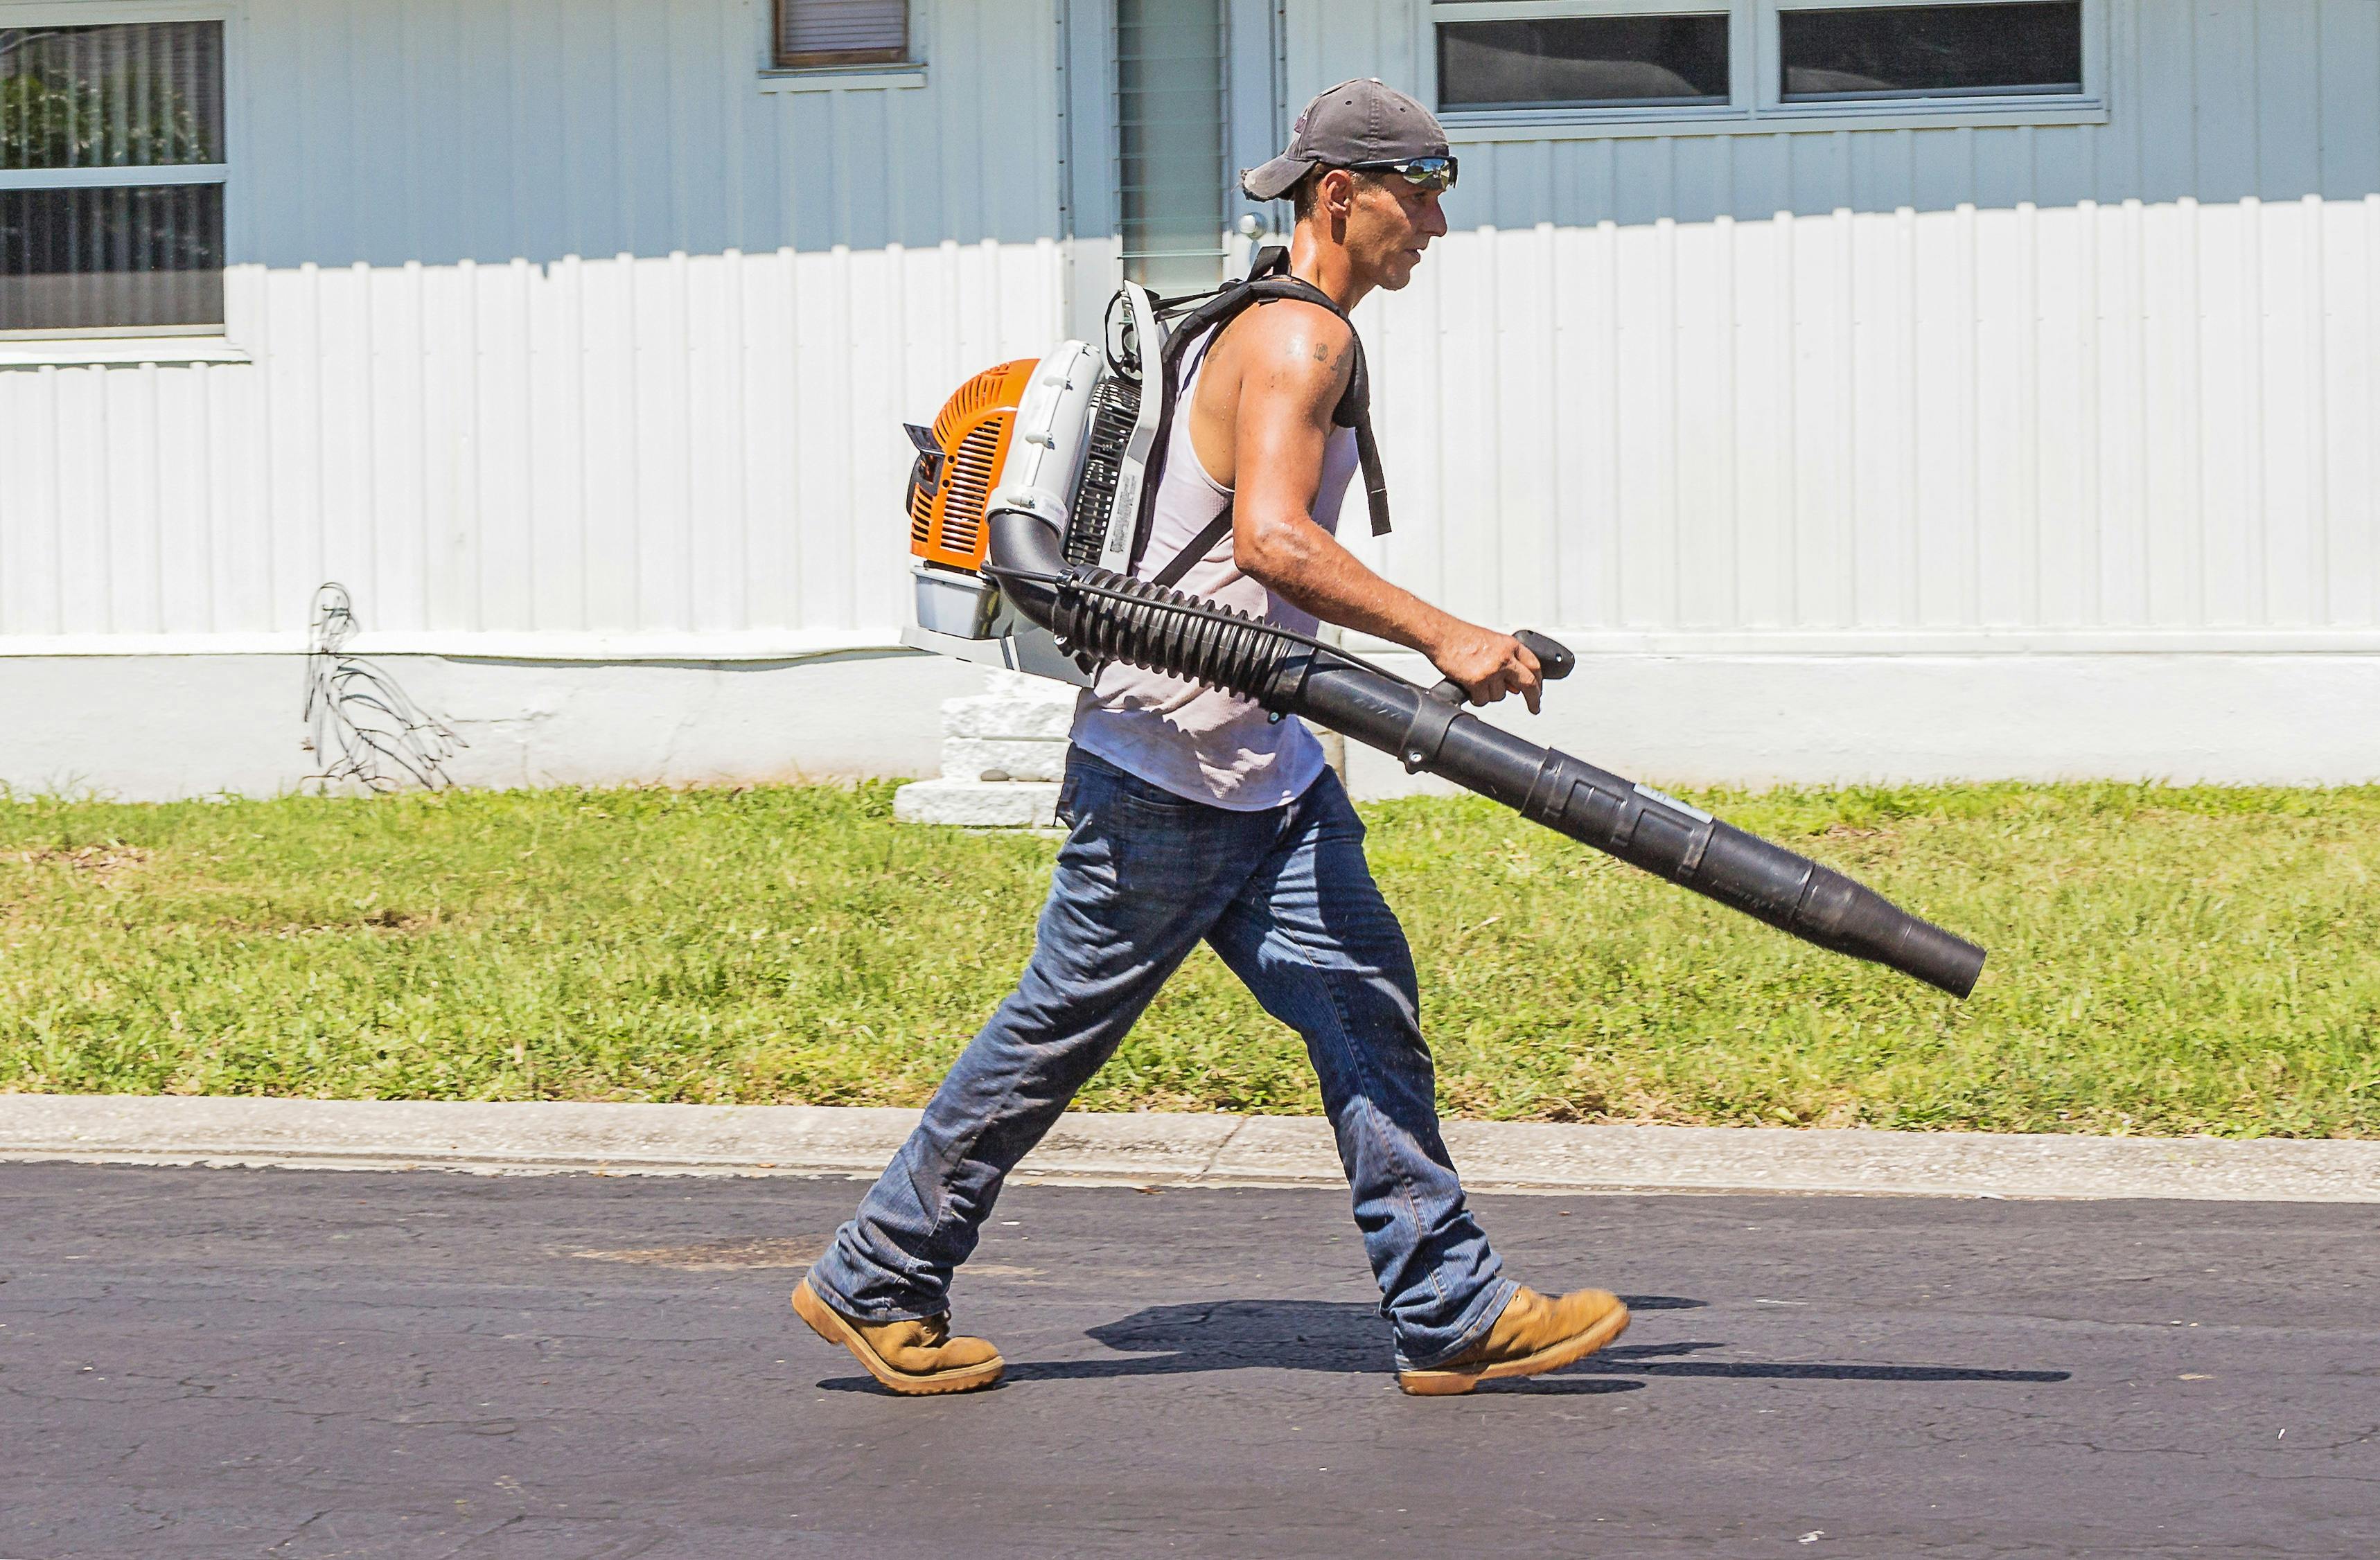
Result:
pixel 842 31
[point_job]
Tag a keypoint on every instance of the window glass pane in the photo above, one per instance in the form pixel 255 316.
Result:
pixel 111 97
pixel 1169 137
pixel 1583 62
pixel 852 30
pixel 1932 51
pixel 77 258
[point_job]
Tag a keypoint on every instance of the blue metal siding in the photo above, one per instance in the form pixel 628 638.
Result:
pixel 441 131
pixel 2215 99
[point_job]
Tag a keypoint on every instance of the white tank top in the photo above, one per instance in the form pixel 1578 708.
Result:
pixel 1193 741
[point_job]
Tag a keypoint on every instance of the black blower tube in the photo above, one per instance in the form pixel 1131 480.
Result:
pixel 1105 616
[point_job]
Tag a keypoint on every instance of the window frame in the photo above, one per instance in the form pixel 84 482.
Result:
pixel 198 342
pixel 1771 77
pixel 1739 41
pixel 1755 66
pixel 840 62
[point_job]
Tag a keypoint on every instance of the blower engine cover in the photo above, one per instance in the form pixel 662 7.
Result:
pixel 959 462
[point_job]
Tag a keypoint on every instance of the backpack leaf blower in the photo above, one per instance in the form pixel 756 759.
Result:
pixel 1029 505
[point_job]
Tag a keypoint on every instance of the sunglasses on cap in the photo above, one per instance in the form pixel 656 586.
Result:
pixel 1432 174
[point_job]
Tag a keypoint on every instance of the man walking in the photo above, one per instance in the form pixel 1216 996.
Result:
pixel 1195 816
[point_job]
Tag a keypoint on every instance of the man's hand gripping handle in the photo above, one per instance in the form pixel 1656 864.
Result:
pixel 1433 715
pixel 1554 660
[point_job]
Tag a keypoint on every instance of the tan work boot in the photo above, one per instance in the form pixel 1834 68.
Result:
pixel 1536 1334
pixel 913 1357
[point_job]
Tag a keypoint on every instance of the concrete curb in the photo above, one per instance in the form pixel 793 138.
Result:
pixel 1167 1150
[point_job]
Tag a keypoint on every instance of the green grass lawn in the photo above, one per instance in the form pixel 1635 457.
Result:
pixel 2163 960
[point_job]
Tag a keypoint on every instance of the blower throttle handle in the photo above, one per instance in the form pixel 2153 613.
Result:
pixel 1553 661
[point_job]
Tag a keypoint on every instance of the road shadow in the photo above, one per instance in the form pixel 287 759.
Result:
pixel 1346 1338
pixel 1331 1336
pixel 1654 1359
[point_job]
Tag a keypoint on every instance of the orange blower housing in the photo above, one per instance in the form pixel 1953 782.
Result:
pixel 958 460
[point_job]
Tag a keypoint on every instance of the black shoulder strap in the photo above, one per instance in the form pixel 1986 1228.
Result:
pixel 1200 545
pixel 1267 280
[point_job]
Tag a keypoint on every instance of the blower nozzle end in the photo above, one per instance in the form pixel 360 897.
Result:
pixel 1944 961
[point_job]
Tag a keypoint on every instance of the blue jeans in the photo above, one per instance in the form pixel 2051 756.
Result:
pixel 1285 896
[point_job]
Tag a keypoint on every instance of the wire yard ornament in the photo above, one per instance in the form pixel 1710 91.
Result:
pixel 363 728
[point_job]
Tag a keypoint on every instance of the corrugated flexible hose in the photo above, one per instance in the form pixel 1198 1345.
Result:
pixel 1105 616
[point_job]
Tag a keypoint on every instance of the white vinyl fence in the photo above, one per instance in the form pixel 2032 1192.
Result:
pixel 704 450
pixel 2086 426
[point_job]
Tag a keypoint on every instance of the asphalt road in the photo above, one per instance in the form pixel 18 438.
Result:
pixel 308 1365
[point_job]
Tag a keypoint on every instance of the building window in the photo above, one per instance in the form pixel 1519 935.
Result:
pixel 1583 62
pixel 812 33
pixel 111 168
pixel 1172 114
pixel 1967 51
pixel 1595 68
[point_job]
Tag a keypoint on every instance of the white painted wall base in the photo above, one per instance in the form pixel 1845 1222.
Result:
pixel 145 728
pixel 1765 720
pixel 156 727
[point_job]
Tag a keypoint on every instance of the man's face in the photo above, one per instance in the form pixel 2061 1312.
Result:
pixel 1388 224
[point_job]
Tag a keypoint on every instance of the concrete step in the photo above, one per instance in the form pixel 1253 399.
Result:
pixel 1012 708
pixel 1010 758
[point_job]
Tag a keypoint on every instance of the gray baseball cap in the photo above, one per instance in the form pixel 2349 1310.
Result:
pixel 1354 122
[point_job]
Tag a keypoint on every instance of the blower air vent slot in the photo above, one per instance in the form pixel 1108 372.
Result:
pixel 1114 406
pixel 972 397
pixel 967 491
pixel 921 517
